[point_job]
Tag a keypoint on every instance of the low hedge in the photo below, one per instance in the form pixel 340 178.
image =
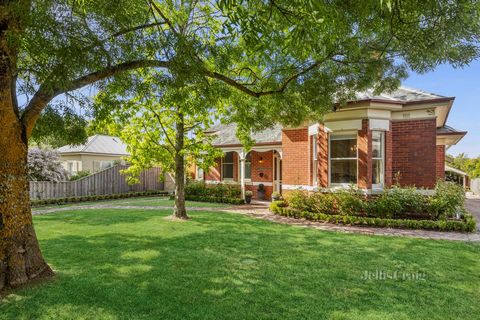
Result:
pixel 219 190
pixel 467 224
pixel 35 203
pixel 214 199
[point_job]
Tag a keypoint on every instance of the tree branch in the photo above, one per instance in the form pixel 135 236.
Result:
pixel 46 93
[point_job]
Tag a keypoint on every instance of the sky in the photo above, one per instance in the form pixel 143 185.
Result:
pixel 464 85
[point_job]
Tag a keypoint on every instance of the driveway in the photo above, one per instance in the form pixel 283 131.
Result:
pixel 473 206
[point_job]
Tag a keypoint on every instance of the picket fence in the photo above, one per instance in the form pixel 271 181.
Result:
pixel 108 181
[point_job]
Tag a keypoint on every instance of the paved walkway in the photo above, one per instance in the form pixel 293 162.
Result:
pixel 260 210
pixel 473 206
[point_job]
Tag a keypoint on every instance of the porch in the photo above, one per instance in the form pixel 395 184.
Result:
pixel 261 166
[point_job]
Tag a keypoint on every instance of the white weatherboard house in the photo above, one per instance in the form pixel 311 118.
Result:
pixel 100 152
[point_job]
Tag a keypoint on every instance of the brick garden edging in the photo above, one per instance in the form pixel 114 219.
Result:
pixel 262 212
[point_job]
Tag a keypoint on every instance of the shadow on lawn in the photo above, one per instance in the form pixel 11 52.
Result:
pixel 225 266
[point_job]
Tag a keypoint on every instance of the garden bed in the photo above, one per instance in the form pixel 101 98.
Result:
pixel 404 208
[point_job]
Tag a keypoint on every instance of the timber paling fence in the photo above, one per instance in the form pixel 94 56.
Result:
pixel 108 181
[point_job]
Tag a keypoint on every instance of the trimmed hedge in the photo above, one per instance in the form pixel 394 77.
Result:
pixel 35 203
pixel 219 193
pixel 214 199
pixel 467 224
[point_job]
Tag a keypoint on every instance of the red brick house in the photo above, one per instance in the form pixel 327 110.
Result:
pixel 372 142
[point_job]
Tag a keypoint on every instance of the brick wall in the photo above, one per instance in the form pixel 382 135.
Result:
pixel 440 162
pixel 364 145
pixel 414 152
pixel 322 157
pixel 295 159
pixel 214 172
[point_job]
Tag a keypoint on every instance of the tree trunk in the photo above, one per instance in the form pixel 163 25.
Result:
pixel 179 210
pixel 20 256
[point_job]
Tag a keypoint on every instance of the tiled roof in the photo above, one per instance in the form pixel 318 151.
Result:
pixel 226 135
pixel 98 143
pixel 402 94
pixel 226 132
pixel 449 130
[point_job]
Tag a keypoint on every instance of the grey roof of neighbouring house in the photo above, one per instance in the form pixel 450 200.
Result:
pixel 98 143
pixel 449 130
pixel 226 134
pixel 402 94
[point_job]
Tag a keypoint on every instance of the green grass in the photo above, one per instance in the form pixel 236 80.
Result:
pixel 135 264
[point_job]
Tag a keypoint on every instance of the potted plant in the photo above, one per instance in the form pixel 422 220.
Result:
pixel 276 196
pixel 261 191
pixel 248 196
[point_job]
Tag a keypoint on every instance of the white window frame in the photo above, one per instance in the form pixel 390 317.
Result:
pixel 239 164
pixel 346 135
pixel 223 171
pixel 314 159
pixel 382 158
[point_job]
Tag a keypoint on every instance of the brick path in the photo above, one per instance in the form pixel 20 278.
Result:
pixel 260 210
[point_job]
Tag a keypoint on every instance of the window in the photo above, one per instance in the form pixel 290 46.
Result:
pixel 72 167
pixel 378 157
pixel 343 159
pixel 105 164
pixel 227 166
pixel 248 166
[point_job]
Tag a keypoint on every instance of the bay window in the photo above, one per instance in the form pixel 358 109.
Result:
pixel 343 159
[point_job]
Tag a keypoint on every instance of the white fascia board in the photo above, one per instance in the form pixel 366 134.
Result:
pixel 344 125
pixel 379 124
pixel 313 129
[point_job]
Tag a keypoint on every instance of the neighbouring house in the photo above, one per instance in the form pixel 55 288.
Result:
pixel 372 142
pixel 456 175
pixel 100 152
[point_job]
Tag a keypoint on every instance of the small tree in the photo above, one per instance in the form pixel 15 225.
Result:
pixel 163 124
pixel 44 165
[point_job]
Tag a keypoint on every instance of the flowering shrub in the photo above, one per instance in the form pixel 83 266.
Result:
pixel 45 165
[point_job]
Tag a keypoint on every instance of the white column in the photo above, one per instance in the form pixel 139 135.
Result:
pixel 242 172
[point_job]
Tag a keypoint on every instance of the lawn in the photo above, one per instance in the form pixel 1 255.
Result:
pixel 135 264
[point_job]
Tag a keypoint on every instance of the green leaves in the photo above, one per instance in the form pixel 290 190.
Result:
pixel 269 61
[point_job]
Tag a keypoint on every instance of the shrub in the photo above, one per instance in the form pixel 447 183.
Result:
pixel 449 198
pixel 468 224
pixel 92 198
pixel 79 175
pixel 323 203
pixel 298 199
pixel 350 202
pixel 199 188
pixel 275 205
pixel 276 196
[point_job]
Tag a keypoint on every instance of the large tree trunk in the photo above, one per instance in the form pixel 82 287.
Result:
pixel 179 210
pixel 20 256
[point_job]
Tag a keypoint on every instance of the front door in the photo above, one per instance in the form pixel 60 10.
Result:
pixel 277 173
